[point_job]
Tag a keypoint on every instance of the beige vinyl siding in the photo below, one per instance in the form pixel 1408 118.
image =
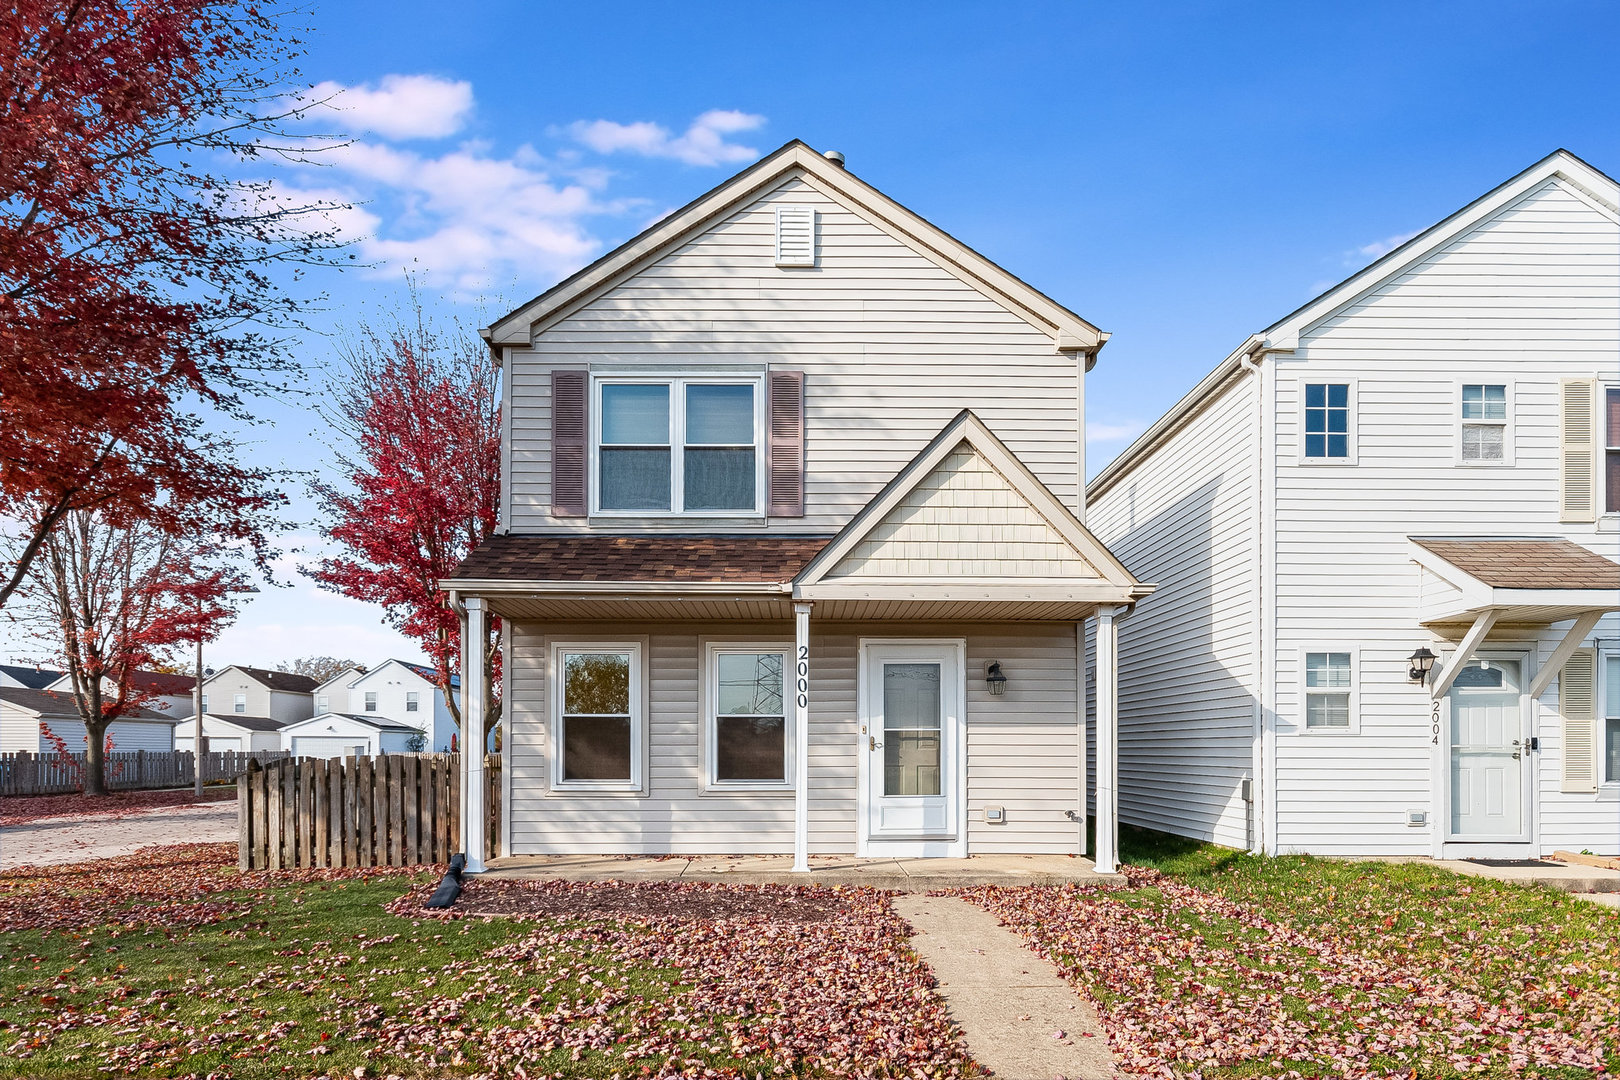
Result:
pixel 1021 747
pixel 893 346
pixel 1185 519
pixel 1529 296
pixel 19 730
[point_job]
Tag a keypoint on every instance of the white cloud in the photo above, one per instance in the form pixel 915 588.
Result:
pixel 704 143
pixel 1108 433
pixel 1377 249
pixel 399 107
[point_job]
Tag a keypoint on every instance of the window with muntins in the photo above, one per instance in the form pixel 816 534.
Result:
pixel 684 445
pixel 239 703
pixel 598 728
pixel 1611 450
pixel 1484 422
pixel 1327 690
pixel 748 731
pixel 1611 718
pixel 371 701
pixel 322 704
pixel 413 701
pixel 1327 421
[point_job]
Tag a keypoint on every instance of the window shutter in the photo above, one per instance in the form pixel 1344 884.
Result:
pixel 1577 701
pixel 785 449
pixel 795 236
pixel 1577 450
pixel 569 443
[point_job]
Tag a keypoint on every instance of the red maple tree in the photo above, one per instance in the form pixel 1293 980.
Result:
pixel 136 285
pixel 108 601
pixel 421 409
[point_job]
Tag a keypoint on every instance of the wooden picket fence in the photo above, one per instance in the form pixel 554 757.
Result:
pixel 27 773
pixel 392 810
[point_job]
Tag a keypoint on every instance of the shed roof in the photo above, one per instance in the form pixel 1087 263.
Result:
pixel 673 559
pixel 1525 562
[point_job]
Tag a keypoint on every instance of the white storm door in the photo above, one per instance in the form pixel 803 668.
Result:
pixel 1489 758
pixel 911 716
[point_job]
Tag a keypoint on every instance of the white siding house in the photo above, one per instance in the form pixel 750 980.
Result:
pixel 395 692
pixel 1415 460
pixel 24 712
pixel 792 558
pixel 239 690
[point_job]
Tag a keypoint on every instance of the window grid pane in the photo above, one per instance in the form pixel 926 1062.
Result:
pixel 1327 420
pixel 1611 456
pixel 1611 749
pixel 635 414
pixel 1482 442
pixel 719 414
pixel 1483 402
pixel 596 723
pixel 1327 670
pixel 635 479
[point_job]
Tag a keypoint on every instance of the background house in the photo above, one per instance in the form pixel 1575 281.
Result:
pixel 343 734
pixel 249 691
pixel 1426 456
pixel 167 693
pixel 26 677
pixel 23 710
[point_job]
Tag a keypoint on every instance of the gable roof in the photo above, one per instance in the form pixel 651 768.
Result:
pixel 967 429
pixel 163 683
pixel 284 681
pixel 46 703
pixel 248 723
pixel 1596 188
pixel 1068 330
pixel 350 674
pixel 33 678
pixel 380 725
pixel 424 671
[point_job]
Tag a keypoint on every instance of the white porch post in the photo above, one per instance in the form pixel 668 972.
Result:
pixel 1108 739
pixel 801 740
pixel 474 827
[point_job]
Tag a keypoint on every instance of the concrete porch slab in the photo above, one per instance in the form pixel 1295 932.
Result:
pixel 900 875
pixel 1568 878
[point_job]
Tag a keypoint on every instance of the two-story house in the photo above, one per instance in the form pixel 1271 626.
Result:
pixel 246 708
pixel 1383 534
pixel 792 558
pixel 392 708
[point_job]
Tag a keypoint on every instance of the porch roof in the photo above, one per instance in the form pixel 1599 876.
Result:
pixel 1522 580
pixel 539 561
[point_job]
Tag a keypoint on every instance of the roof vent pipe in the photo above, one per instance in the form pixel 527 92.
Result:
pixel 835 157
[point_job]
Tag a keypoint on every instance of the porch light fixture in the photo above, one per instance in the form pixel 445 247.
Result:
pixel 994 680
pixel 1420 664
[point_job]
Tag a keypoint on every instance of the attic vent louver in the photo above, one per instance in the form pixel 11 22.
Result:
pixel 795 236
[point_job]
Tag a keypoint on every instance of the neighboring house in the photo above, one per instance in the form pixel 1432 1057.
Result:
pixel 1426 457
pixel 249 691
pixel 343 735
pixel 394 691
pixel 231 732
pixel 22 711
pixel 164 692
pixel 27 678
pixel 792 556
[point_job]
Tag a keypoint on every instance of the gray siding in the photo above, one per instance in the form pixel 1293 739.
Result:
pixel 893 346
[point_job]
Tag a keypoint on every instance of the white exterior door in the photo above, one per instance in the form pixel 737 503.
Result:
pixel 1489 753
pixel 911 741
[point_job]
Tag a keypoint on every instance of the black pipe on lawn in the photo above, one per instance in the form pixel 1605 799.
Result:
pixel 449 889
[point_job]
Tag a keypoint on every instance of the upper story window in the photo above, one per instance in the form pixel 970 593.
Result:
pixel 1485 435
pixel 413 701
pixel 371 701
pixel 1328 411
pixel 322 704
pixel 1611 450
pixel 683 445
pixel 205 703
pixel 239 703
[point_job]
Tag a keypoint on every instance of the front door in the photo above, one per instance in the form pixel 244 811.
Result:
pixel 911 716
pixel 1489 753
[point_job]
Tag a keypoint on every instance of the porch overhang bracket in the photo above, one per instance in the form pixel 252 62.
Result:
pixel 1555 663
pixel 1465 651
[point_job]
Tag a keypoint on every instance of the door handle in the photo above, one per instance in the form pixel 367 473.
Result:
pixel 872 743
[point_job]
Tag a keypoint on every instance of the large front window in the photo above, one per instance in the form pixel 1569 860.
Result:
pixel 598 729
pixel 748 725
pixel 677 446
pixel 1611 717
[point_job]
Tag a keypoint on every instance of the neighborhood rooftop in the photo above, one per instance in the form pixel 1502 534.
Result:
pixel 279 680
pixel 249 723
pixel 765 559
pixel 34 678
pixel 45 703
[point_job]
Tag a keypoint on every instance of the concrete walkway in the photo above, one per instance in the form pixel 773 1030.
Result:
pixel 901 875
pixel 1568 877
pixel 1020 1019
pixel 54 841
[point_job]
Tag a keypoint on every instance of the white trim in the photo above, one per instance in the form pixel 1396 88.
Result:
pixel 677 382
pixel 1508 426
pixel 639 706
pixel 708 690
pixel 1352 421
pixel 1601 688
pixel 866 845
pixel 1354 652
pixel 1449 846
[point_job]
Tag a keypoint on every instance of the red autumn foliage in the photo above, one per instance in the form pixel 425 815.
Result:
pixel 136 284
pixel 422 486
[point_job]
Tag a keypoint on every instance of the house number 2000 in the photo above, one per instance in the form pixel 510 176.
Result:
pixel 1434 725
pixel 804 676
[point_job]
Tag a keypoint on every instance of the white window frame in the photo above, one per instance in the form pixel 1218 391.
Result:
pixel 205 703
pixel 323 704
pixel 1602 437
pixel 413 701
pixel 712 650
pixel 1354 727
pixel 1353 423
pixel 239 704
pixel 677 383
pixel 369 701
pixel 1602 710
pixel 1507 425
pixel 637 784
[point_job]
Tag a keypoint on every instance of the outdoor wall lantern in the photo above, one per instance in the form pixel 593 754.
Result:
pixel 1420 664
pixel 994 680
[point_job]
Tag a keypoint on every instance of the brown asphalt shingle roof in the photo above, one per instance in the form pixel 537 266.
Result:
pixel 279 680
pixel 49 703
pixel 764 559
pixel 1549 563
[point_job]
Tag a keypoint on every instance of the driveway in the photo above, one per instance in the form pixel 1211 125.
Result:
pixel 52 841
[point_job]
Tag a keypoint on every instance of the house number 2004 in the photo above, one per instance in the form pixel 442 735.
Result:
pixel 804 676
pixel 1434 726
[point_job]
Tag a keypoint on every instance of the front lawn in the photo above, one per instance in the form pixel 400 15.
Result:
pixel 1215 963
pixel 169 963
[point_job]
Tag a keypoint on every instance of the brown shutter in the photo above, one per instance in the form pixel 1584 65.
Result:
pixel 785 444
pixel 569 443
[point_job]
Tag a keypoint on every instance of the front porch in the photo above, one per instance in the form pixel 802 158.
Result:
pixel 898 875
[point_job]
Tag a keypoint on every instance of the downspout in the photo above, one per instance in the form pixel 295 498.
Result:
pixel 1255 810
pixel 1264 786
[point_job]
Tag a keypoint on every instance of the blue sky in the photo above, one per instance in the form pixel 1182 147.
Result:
pixel 1180 174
